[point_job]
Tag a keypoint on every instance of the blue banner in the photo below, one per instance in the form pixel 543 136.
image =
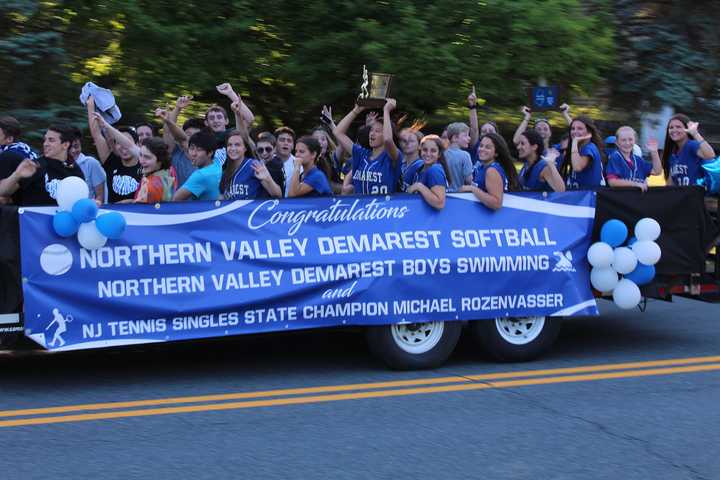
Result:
pixel 198 270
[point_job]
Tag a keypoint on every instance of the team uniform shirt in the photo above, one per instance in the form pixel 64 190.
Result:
pixel 592 175
pixel 157 187
pixel 122 181
pixel 431 176
pixel 408 172
pixel 636 169
pixel 245 185
pixel 20 147
pixel 376 176
pixel 481 170
pixel 316 179
pixel 685 165
pixel 42 187
pixel 204 183
pixel 530 176
pixel 460 167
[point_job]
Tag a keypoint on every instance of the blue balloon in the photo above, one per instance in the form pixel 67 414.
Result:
pixel 711 180
pixel 631 241
pixel 642 275
pixel 64 224
pixel 112 225
pixel 84 210
pixel 614 233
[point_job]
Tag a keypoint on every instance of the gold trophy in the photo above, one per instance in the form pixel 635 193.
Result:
pixel 379 87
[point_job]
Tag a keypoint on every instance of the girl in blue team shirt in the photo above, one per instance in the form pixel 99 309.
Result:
pixel 410 139
pixel 537 173
pixel 245 178
pixel 582 166
pixel 431 179
pixel 375 170
pixel 313 182
pixel 625 168
pixel 494 174
pixel 685 151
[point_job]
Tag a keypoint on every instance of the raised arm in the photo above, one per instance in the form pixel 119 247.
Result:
pixel 242 126
pixel 244 112
pixel 390 146
pixel 340 130
pixel 579 162
pixel 118 136
pixel 652 146
pixel 565 109
pixel 101 144
pixel 172 136
pixel 473 118
pixel 523 125
pixel 552 177
pixel 705 150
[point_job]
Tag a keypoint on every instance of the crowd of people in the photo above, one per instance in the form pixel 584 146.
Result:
pixel 203 159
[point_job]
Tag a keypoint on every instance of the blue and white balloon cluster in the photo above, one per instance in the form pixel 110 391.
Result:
pixel 78 214
pixel 635 262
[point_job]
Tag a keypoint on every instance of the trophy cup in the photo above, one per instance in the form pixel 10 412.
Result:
pixel 379 86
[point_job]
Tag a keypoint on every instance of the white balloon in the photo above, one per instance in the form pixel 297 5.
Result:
pixel 648 253
pixel 647 229
pixel 90 237
pixel 70 190
pixel 603 279
pixel 624 260
pixel 600 255
pixel 626 294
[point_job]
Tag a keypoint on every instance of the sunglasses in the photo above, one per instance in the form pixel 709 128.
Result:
pixel 264 149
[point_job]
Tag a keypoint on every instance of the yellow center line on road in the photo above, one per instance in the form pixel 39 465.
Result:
pixel 358 395
pixel 396 389
pixel 355 386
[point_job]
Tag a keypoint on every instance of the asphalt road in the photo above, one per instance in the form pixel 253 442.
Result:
pixel 636 396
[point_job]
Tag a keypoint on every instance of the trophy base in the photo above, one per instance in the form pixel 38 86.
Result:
pixel 371 103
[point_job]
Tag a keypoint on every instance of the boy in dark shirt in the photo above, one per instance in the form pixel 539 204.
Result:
pixel 35 182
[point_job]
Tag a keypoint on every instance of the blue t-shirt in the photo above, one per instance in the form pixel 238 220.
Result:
pixel 21 148
pixel 431 176
pixel 376 176
pixel 408 173
pixel 481 171
pixel 318 181
pixel 530 178
pixel 592 175
pixel 245 185
pixel 618 167
pixel 204 183
pixel 685 165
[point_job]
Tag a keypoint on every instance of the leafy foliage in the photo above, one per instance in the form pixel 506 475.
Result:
pixel 289 59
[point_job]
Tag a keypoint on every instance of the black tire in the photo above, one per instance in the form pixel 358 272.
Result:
pixel 432 342
pixel 529 340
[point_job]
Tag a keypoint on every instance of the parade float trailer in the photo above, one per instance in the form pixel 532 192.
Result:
pixel 411 277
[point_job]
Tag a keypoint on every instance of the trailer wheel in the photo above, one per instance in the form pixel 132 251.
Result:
pixel 516 339
pixel 414 346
